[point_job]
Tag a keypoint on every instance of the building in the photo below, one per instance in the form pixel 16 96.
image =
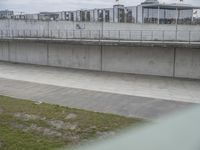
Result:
pixel 48 16
pixel 119 13
pixel 167 13
pixel 31 16
pixel 6 14
pixel 131 14
pixel 148 12
pixel 20 16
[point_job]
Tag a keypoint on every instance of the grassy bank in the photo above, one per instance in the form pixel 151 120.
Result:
pixel 27 125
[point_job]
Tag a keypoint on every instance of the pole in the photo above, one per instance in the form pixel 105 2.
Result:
pixel 158 14
pixel 176 21
pixel 102 25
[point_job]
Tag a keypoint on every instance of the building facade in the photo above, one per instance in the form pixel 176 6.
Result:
pixel 6 14
pixel 150 11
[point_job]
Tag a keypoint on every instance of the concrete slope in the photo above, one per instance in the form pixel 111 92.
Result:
pixel 125 105
pixel 182 90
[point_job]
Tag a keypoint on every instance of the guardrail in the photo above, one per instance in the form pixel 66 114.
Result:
pixel 121 35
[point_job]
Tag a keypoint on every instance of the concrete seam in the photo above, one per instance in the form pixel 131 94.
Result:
pixel 174 65
pixel 47 53
pixel 101 63
pixel 9 51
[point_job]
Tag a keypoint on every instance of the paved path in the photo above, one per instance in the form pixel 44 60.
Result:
pixel 126 105
pixel 125 84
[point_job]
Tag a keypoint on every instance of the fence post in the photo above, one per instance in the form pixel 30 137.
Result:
pixel 48 33
pixel 12 33
pixel 163 36
pixel 66 34
pixel 24 33
pixel 119 35
pixel 109 34
pixel 30 34
pixel 141 34
pixel 1 34
pixel 90 34
pixel 80 34
pixel 99 35
pixel 44 33
pixel 189 37
pixel 51 34
pixel 58 34
pixel 73 34
pixel 37 34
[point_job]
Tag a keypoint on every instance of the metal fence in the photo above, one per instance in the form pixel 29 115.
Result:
pixel 120 35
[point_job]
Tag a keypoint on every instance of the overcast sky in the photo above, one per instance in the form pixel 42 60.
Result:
pixel 33 6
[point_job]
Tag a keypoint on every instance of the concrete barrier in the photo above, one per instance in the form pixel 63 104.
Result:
pixel 162 61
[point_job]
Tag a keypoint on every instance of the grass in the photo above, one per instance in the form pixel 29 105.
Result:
pixel 25 125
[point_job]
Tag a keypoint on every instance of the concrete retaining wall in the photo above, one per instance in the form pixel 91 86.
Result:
pixel 28 52
pixel 139 60
pixel 187 63
pixel 171 62
pixel 75 56
pixel 4 51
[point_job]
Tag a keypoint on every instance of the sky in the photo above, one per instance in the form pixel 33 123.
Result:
pixel 34 6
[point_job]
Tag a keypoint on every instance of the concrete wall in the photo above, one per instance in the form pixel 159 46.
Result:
pixel 171 62
pixel 4 51
pixel 52 54
pixel 75 56
pixel 187 63
pixel 28 52
pixel 139 60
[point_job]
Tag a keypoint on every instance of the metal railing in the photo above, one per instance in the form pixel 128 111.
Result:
pixel 119 35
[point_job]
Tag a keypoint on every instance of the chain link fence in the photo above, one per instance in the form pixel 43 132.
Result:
pixel 120 35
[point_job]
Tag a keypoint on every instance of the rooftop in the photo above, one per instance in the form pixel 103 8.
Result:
pixel 170 6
